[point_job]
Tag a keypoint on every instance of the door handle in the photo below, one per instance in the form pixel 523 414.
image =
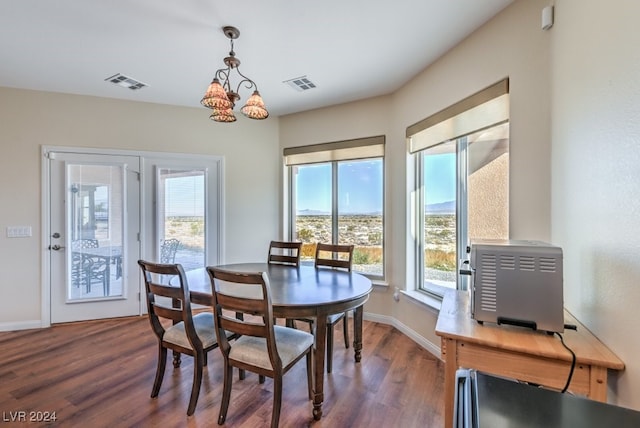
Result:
pixel 55 247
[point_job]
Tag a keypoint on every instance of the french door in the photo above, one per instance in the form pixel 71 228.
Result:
pixel 94 240
pixel 182 197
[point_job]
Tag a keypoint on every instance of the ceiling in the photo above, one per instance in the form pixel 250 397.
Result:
pixel 349 49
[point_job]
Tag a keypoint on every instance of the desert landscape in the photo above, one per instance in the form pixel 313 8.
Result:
pixel 365 232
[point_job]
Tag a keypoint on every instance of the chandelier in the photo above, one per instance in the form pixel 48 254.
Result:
pixel 221 96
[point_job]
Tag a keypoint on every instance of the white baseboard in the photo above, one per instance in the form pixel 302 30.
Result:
pixel 20 325
pixel 411 334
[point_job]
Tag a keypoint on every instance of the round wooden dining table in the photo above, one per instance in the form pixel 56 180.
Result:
pixel 303 292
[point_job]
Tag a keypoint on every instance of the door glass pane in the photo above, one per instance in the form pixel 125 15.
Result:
pixel 95 224
pixel 440 214
pixel 181 217
pixel 312 201
pixel 360 201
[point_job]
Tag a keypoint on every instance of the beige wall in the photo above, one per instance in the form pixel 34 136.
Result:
pixel 30 119
pixel 590 61
pixel 489 199
pixel 511 45
pixel 596 173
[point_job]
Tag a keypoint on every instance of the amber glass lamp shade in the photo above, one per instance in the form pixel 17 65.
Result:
pixel 223 115
pixel 216 97
pixel 254 108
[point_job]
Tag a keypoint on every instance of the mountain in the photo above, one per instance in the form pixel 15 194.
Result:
pixel 312 212
pixel 448 207
pixel 319 213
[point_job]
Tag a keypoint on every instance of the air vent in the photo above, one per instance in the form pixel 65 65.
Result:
pixel 125 82
pixel 488 300
pixel 507 262
pixel 547 264
pixel 527 263
pixel 300 84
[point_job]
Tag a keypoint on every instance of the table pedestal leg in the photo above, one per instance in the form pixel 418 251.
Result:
pixel 318 367
pixel 357 332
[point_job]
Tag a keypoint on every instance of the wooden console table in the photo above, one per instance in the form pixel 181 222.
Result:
pixel 519 353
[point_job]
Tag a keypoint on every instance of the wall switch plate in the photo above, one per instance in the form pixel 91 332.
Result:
pixel 18 231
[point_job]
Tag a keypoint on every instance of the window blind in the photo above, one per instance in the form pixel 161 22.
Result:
pixel 360 148
pixel 482 110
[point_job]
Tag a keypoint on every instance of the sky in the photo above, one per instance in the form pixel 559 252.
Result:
pixel 313 183
pixel 440 178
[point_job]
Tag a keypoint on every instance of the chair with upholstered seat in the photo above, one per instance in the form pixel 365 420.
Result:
pixel 264 348
pixel 336 257
pixel 284 252
pixel 189 334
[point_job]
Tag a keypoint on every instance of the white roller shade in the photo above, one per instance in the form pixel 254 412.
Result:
pixel 361 148
pixel 481 110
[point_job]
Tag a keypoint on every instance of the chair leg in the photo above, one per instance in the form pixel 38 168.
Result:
pixel 310 374
pixel 226 392
pixel 176 359
pixel 329 347
pixel 88 283
pixel 261 379
pixel 105 286
pixel 162 362
pixel 277 401
pixel 345 329
pixel 198 358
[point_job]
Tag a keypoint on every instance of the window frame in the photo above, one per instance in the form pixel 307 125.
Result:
pixel 462 218
pixel 482 110
pixel 368 148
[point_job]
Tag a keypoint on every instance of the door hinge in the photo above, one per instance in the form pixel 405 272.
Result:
pixel 138 236
pixel 139 296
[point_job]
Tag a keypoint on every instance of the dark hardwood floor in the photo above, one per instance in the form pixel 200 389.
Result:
pixel 100 374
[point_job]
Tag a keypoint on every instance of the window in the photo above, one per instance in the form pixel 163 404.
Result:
pixel 337 196
pixel 181 216
pixel 183 200
pixel 462 192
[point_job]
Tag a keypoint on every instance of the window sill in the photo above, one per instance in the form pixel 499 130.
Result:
pixel 423 298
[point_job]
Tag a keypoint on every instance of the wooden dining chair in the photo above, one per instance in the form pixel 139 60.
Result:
pixel 263 347
pixel 189 334
pixel 284 252
pixel 336 257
